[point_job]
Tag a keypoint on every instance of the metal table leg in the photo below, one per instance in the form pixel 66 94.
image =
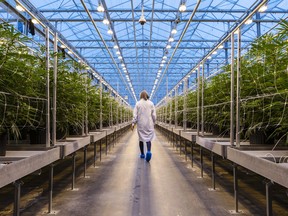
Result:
pixel 201 161
pixel 51 174
pixel 213 170
pixel 268 185
pixel 85 160
pixel 17 197
pixel 192 154
pixel 235 175
pixel 73 170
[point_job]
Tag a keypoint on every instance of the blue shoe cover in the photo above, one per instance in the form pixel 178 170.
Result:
pixel 142 156
pixel 148 156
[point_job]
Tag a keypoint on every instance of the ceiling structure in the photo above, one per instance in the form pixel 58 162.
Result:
pixel 133 57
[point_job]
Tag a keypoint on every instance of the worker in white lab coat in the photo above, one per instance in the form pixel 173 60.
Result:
pixel 144 115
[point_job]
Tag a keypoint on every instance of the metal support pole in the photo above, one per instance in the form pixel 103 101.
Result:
pixel 47 87
pixel 106 144
pixel 170 116
pixel 192 154
pixel 51 174
pixel 55 88
pixel 95 153
pixel 86 108
pixel 198 101
pixel 232 102
pixel 100 149
pixel 73 170
pixel 268 185
pixel 176 107
pixel 201 161
pixel 85 160
pixel 101 120
pixel 185 105
pixel 213 170
pixel 258 24
pixel 17 197
pixel 235 175
pixel 238 90
pixel 185 141
pixel 202 100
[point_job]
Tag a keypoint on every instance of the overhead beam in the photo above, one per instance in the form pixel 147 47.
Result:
pixel 156 11
pixel 156 20
pixel 154 40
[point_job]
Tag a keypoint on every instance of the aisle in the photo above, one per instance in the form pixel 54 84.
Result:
pixel 124 185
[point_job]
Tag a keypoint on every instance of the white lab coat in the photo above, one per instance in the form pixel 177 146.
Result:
pixel 144 115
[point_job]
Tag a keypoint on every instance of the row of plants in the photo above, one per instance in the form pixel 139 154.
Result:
pixel 263 90
pixel 23 92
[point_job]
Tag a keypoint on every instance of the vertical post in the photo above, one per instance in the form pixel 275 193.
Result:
pixel 85 160
pixel 258 24
pixel 202 100
pixel 269 211
pixel 55 88
pixel 118 104
pixel 51 173
pixel 201 161
pixel 213 170
pixel 95 153
pixel 198 101
pixel 170 116
pixel 235 175
pixel 86 108
pixel 101 120
pixel 185 105
pixel 47 34
pixel 232 102
pixel 73 170
pixel 238 90
pixel 17 197
pixel 176 107
pixel 166 101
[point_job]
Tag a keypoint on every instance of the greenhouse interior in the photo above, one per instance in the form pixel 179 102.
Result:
pixel 204 83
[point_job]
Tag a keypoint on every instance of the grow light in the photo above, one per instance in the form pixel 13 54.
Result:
pixel 20 8
pixel 174 31
pixel 182 7
pixel 263 8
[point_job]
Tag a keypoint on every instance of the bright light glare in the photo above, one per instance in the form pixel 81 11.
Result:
pixel 182 8
pixel 20 8
pixel 263 8
pixel 106 21
pixel 249 21
pixel 100 8
pixel 174 31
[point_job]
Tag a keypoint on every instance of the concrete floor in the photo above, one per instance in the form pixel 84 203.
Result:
pixel 122 184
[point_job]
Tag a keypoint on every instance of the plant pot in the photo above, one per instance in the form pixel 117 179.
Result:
pixel 3 143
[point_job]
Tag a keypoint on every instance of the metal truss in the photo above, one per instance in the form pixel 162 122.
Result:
pixel 142 47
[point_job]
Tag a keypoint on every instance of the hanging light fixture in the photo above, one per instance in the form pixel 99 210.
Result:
pixel 182 7
pixel 118 52
pixel 263 8
pixel 249 21
pixel 20 8
pixel 116 46
pixel 168 46
pixel 35 21
pixel 100 7
pixel 110 31
pixel 142 19
pixel 106 21
pixel 171 39
pixel 174 31
pixel 165 57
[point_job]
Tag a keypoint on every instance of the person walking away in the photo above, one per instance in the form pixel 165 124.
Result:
pixel 144 115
